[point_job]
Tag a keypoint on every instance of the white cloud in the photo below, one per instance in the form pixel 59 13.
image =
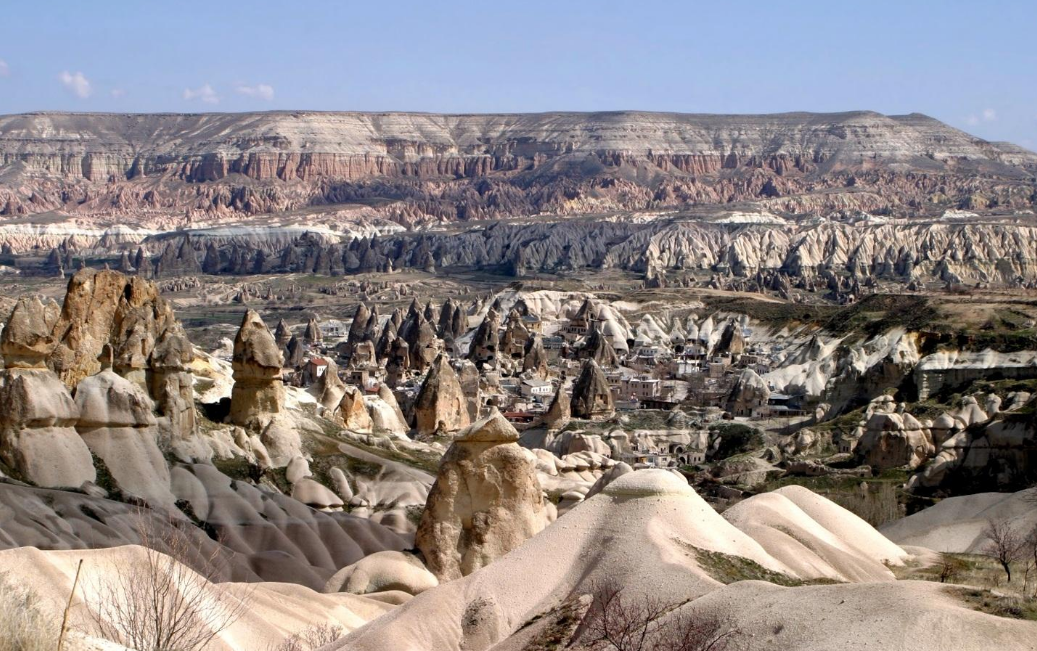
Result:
pixel 118 92
pixel 76 83
pixel 262 91
pixel 5 70
pixel 204 93
pixel 986 115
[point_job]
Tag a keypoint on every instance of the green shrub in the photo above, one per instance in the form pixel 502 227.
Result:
pixel 735 438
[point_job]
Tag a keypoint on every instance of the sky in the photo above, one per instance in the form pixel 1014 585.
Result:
pixel 971 64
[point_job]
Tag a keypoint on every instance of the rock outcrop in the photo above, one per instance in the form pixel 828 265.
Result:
pixel 534 357
pixel 117 423
pixel 748 393
pixel 383 572
pixel 893 438
pixel 486 501
pixel 598 348
pixel 485 347
pixel 38 439
pixel 591 396
pixel 559 413
pixel 353 412
pixel 440 407
pixel 497 166
pixel 107 307
pixel 258 390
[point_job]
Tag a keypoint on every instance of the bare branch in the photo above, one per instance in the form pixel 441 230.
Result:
pixel 166 600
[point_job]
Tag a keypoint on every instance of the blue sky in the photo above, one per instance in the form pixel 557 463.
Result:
pixel 971 64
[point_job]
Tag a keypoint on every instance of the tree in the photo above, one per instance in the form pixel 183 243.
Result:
pixel 1003 544
pixel 1028 551
pixel 949 568
pixel 621 622
pixel 165 600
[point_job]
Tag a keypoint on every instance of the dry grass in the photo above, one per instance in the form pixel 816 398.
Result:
pixel 24 626
pixel 311 638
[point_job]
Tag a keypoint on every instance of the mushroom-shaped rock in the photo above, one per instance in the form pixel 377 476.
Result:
pixel 382 572
pixel 485 502
pixel 592 397
pixel 440 406
pixel 257 363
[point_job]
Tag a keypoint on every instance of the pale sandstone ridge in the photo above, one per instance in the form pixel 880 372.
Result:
pixel 486 501
pixel 354 145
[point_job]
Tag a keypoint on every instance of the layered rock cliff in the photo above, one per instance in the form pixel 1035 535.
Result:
pixel 420 167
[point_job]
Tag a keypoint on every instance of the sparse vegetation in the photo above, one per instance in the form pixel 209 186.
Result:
pixel 164 600
pixel 728 569
pixel 24 624
pixel 619 620
pixel 998 604
pixel 735 438
pixel 876 504
pixel 310 638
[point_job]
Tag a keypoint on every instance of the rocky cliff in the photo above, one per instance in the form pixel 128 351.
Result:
pixel 419 167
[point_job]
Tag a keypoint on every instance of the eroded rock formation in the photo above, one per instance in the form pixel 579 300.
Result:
pixel 592 397
pixel 486 501
pixel 441 407
pixel 38 439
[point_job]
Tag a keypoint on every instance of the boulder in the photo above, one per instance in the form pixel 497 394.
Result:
pixel 382 572
pixel 485 502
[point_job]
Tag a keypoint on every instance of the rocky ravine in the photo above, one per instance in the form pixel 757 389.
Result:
pixel 160 167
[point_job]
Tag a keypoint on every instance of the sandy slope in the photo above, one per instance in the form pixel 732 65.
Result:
pixel 642 530
pixel 956 524
pixel 895 616
pixel 273 610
